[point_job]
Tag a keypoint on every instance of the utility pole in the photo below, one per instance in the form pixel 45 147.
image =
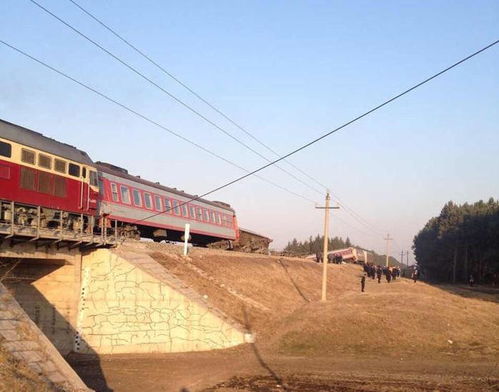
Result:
pixel 407 259
pixel 326 240
pixel 388 239
pixel 402 257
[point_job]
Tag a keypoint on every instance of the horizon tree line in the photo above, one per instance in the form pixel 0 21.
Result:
pixel 314 245
pixel 462 241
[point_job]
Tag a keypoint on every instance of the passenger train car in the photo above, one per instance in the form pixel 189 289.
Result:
pixel 159 212
pixel 51 185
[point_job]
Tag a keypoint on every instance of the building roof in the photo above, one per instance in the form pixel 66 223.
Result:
pixel 36 140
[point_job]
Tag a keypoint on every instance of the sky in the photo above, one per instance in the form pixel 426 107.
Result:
pixel 287 71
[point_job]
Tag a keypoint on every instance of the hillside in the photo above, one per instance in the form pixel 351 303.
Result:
pixel 278 298
pixel 394 337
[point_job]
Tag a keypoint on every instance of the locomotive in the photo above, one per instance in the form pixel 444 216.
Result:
pixel 50 189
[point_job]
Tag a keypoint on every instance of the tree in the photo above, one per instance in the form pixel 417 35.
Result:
pixel 462 241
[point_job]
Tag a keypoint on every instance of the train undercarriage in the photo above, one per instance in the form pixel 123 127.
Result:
pixel 24 222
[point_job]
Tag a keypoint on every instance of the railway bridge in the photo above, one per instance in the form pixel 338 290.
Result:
pixel 94 298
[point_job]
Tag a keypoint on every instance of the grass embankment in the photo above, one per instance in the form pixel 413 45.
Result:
pixel 278 298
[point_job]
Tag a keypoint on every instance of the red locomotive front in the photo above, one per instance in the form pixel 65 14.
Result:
pixel 40 176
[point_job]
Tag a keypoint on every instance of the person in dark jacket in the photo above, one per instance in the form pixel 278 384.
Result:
pixel 379 273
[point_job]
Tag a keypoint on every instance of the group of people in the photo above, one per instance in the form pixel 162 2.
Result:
pixel 377 272
pixel 331 258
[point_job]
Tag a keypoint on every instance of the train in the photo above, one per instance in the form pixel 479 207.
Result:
pixel 48 185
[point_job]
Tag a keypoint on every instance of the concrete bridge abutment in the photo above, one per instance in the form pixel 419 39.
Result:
pixel 108 301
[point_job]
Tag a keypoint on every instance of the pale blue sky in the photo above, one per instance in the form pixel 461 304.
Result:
pixel 288 71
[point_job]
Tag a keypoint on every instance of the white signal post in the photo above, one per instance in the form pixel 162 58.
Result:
pixel 326 240
pixel 186 237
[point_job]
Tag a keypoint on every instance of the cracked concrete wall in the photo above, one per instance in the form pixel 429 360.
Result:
pixel 129 304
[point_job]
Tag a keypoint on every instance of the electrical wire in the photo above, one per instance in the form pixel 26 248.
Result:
pixel 165 91
pixel 149 120
pixel 141 52
pixel 348 210
pixel 344 125
pixel 190 89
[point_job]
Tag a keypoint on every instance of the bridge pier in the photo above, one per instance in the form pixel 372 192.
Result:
pixel 45 281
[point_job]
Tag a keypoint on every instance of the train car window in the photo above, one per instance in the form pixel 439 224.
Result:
pixel 45 183
pixel 199 214
pixel 212 217
pixel 84 172
pixel 125 194
pixel 28 156
pixel 137 199
pixel 114 191
pixel 28 179
pixel 219 220
pixel 5 149
pixel 184 211
pixel 94 179
pixel 148 200
pixel 158 203
pixel 44 161
pixel 168 206
pixel 176 209
pixel 192 212
pixel 60 186
pixel 60 166
pixel 205 216
pixel 74 170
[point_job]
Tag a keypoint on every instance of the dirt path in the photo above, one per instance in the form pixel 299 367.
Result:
pixel 249 370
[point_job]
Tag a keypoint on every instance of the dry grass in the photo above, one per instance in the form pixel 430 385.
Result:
pixel 16 377
pixel 278 298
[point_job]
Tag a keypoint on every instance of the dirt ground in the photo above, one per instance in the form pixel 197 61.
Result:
pixel 394 337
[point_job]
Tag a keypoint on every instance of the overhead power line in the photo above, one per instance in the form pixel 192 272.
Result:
pixel 149 120
pixel 191 90
pixel 348 209
pixel 165 91
pixel 344 125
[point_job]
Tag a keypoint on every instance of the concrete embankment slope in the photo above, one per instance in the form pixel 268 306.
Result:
pixel 129 303
pixel 21 339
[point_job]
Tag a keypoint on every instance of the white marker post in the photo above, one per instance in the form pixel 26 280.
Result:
pixel 186 237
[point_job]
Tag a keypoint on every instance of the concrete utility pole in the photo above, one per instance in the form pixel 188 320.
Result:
pixel 402 257
pixel 326 240
pixel 388 239
pixel 407 258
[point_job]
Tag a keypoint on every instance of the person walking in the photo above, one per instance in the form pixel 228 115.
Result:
pixel 471 281
pixel 415 274
pixel 388 275
pixel 378 273
pixel 363 282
